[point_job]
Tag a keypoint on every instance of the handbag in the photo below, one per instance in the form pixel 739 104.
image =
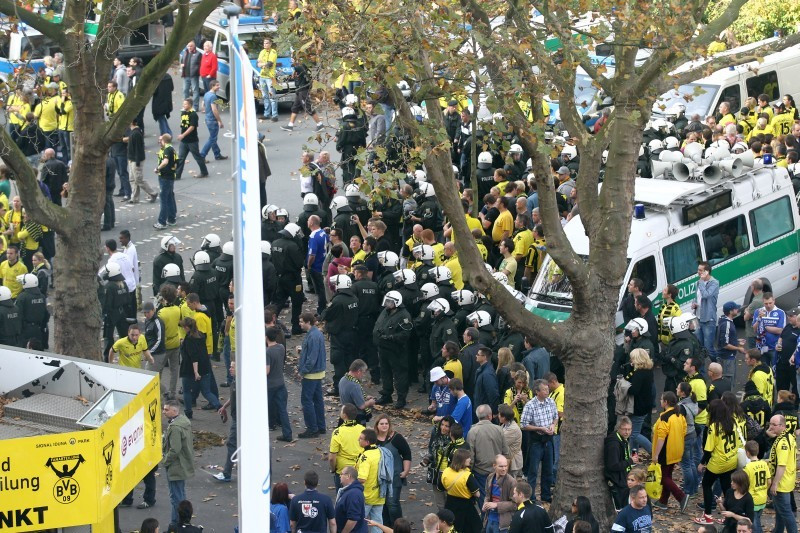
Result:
pixel 653 484
pixel 741 454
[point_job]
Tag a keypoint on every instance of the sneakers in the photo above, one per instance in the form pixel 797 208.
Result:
pixel 221 158
pixel 658 505
pixel 319 127
pixel 219 476
pixel 705 520
pixel 308 434
pixel 285 439
pixel 288 127
pixel 684 503
pixel 145 505
pixel 171 222
pixel 159 225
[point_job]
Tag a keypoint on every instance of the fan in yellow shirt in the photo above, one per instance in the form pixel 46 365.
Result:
pixel 131 349
pixel 782 456
pixel 345 449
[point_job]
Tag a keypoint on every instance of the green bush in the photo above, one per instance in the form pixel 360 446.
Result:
pixel 759 19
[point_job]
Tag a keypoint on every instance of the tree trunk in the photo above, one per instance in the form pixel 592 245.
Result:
pixel 580 469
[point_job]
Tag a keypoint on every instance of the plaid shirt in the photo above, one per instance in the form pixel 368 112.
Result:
pixel 538 413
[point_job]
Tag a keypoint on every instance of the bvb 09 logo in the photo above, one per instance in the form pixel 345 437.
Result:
pixel 66 489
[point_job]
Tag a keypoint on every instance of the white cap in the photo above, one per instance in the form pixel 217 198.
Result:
pixel 437 373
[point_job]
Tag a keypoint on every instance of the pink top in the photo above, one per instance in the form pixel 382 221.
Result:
pixel 333 267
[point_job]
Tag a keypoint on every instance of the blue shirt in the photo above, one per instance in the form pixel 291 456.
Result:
pixel 317 243
pixel 630 519
pixel 764 339
pixel 707 293
pixel 311 511
pixel 463 413
pixel 209 98
pixel 445 400
pixel 258 11
pixel 495 497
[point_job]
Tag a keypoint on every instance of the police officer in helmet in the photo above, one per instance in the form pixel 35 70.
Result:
pixel 390 334
pixel 287 257
pixel 340 320
pixel 10 319
pixel 167 255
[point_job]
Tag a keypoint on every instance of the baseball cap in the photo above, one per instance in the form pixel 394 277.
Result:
pixel 730 306
pixel 452 103
pixel 437 373
pixel 794 311
pixel 563 170
pixel 148 306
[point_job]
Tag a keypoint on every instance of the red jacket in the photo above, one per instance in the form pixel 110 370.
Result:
pixel 208 65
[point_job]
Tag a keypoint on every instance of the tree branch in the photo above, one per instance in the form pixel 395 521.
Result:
pixel 151 17
pixel 719 24
pixel 37 22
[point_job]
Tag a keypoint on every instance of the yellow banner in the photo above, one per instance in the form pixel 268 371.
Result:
pixel 77 478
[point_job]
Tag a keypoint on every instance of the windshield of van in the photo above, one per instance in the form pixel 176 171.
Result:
pixel 696 97
pixel 584 90
pixel 551 283
pixel 254 43
pixel 37 47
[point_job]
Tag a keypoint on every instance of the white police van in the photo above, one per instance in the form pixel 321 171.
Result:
pixel 743 220
pixel 25 48
pixel 252 31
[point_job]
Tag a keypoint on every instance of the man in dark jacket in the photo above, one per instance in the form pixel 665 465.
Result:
pixel 352 135
pixel 190 72
pixel 618 461
pixel 153 334
pixel 136 156
pixel 288 260
pixel 162 104
pixel 369 307
pixel 530 518
pixel 10 321
pixel 53 174
pixel 391 333
pixel 340 320
pixel 486 390
pixel 350 503
pixel 168 255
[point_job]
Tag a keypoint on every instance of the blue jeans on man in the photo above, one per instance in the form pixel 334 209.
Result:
pixel 277 400
pixel 177 493
pixel 211 143
pixel 191 89
pixel 784 517
pixel 375 513
pixel 638 440
pixel 163 125
pixel 169 210
pixel 64 143
pixel 392 510
pixel 556 453
pixel 481 479
pixel 121 164
pixel 541 452
pixel 707 334
pixel 270 100
pixel 313 406
pixel 494 527
pixel 691 477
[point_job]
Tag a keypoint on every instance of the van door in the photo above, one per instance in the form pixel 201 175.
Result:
pixel 644 267
pixel 731 94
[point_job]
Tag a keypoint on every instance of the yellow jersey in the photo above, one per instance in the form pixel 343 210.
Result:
pixel 130 354
pixel 482 249
pixel 784 453
pixel 723 450
pixel 518 407
pixel 171 315
pixel 558 397
pixel 114 101
pixel 438 253
pixel 66 116
pixel 14 217
pixel 459 483
pixel 268 56
pixel 22 108
pixel 9 274
pixel 700 390
pixel 367 465
pixel 782 123
pixel 344 443
pixel 454 366
pixel 762 378
pixel 47 113
pixel 522 243
pixel 455 268
pixel 504 223
pixel 759 475
pixel 766 130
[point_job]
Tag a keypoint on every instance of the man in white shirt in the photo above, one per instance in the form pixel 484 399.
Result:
pixel 130 250
pixel 124 262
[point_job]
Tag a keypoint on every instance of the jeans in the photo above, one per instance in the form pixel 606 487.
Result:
pixel 191 87
pixel 494 527
pixel 638 440
pixel 149 489
pixel 163 125
pixel 207 84
pixel 189 387
pixel 169 210
pixel 313 407
pixel 277 403
pixel 270 102
pixel 65 143
pixel 139 183
pixel 319 287
pixel 784 517
pixel 541 452
pixel 697 448
pixel 177 493
pixel 556 452
pixel 231 444
pixel 121 163
pixel 691 477
pixel 392 509
pixel 481 479
pixel 706 334
pixel 757 521
pixel 375 513
pixel 211 143
pixel 184 149
pixel 728 368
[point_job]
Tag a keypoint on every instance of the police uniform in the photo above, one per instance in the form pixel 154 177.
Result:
pixel 270 229
pixel 10 323
pixel 431 214
pixel 223 265
pixel 443 329
pixel 361 210
pixel 204 284
pixel 288 260
pixel 679 349
pixel 391 333
pixel 162 260
pixel 341 318
pixel 387 282
pixel 342 222
pixel 269 279
pixel 32 307
pixel 302 221
pixel 369 307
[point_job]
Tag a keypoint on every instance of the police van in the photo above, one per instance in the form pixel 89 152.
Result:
pixel 742 220
pixel 26 49
pixel 776 75
pixel 252 31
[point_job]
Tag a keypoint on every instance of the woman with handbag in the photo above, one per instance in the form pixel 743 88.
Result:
pixel 462 492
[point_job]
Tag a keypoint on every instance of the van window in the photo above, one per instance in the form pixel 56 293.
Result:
pixel 726 240
pixel 733 96
pixel 37 46
pixel 645 270
pixel 764 83
pixel 222 47
pixel 771 220
pixel 681 258
pixel 206 34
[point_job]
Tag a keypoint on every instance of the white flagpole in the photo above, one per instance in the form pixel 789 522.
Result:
pixel 251 370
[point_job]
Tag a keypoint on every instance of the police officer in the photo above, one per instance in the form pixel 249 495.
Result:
pixel 311 207
pixel 33 312
pixel 422 329
pixel 357 203
pixel 429 213
pixel 223 265
pixel 270 226
pixel 465 302
pixel 482 321
pixel 341 317
pixel 369 307
pixel 288 260
pixel 269 276
pixel 211 245
pixel 10 320
pixel 443 327
pixel 171 275
pixel 167 255
pixel 424 255
pixel 344 218
pixel 443 277
pixel 485 174
pixel 679 349
pixel 391 332
pixel 389 262
pixel 204 284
